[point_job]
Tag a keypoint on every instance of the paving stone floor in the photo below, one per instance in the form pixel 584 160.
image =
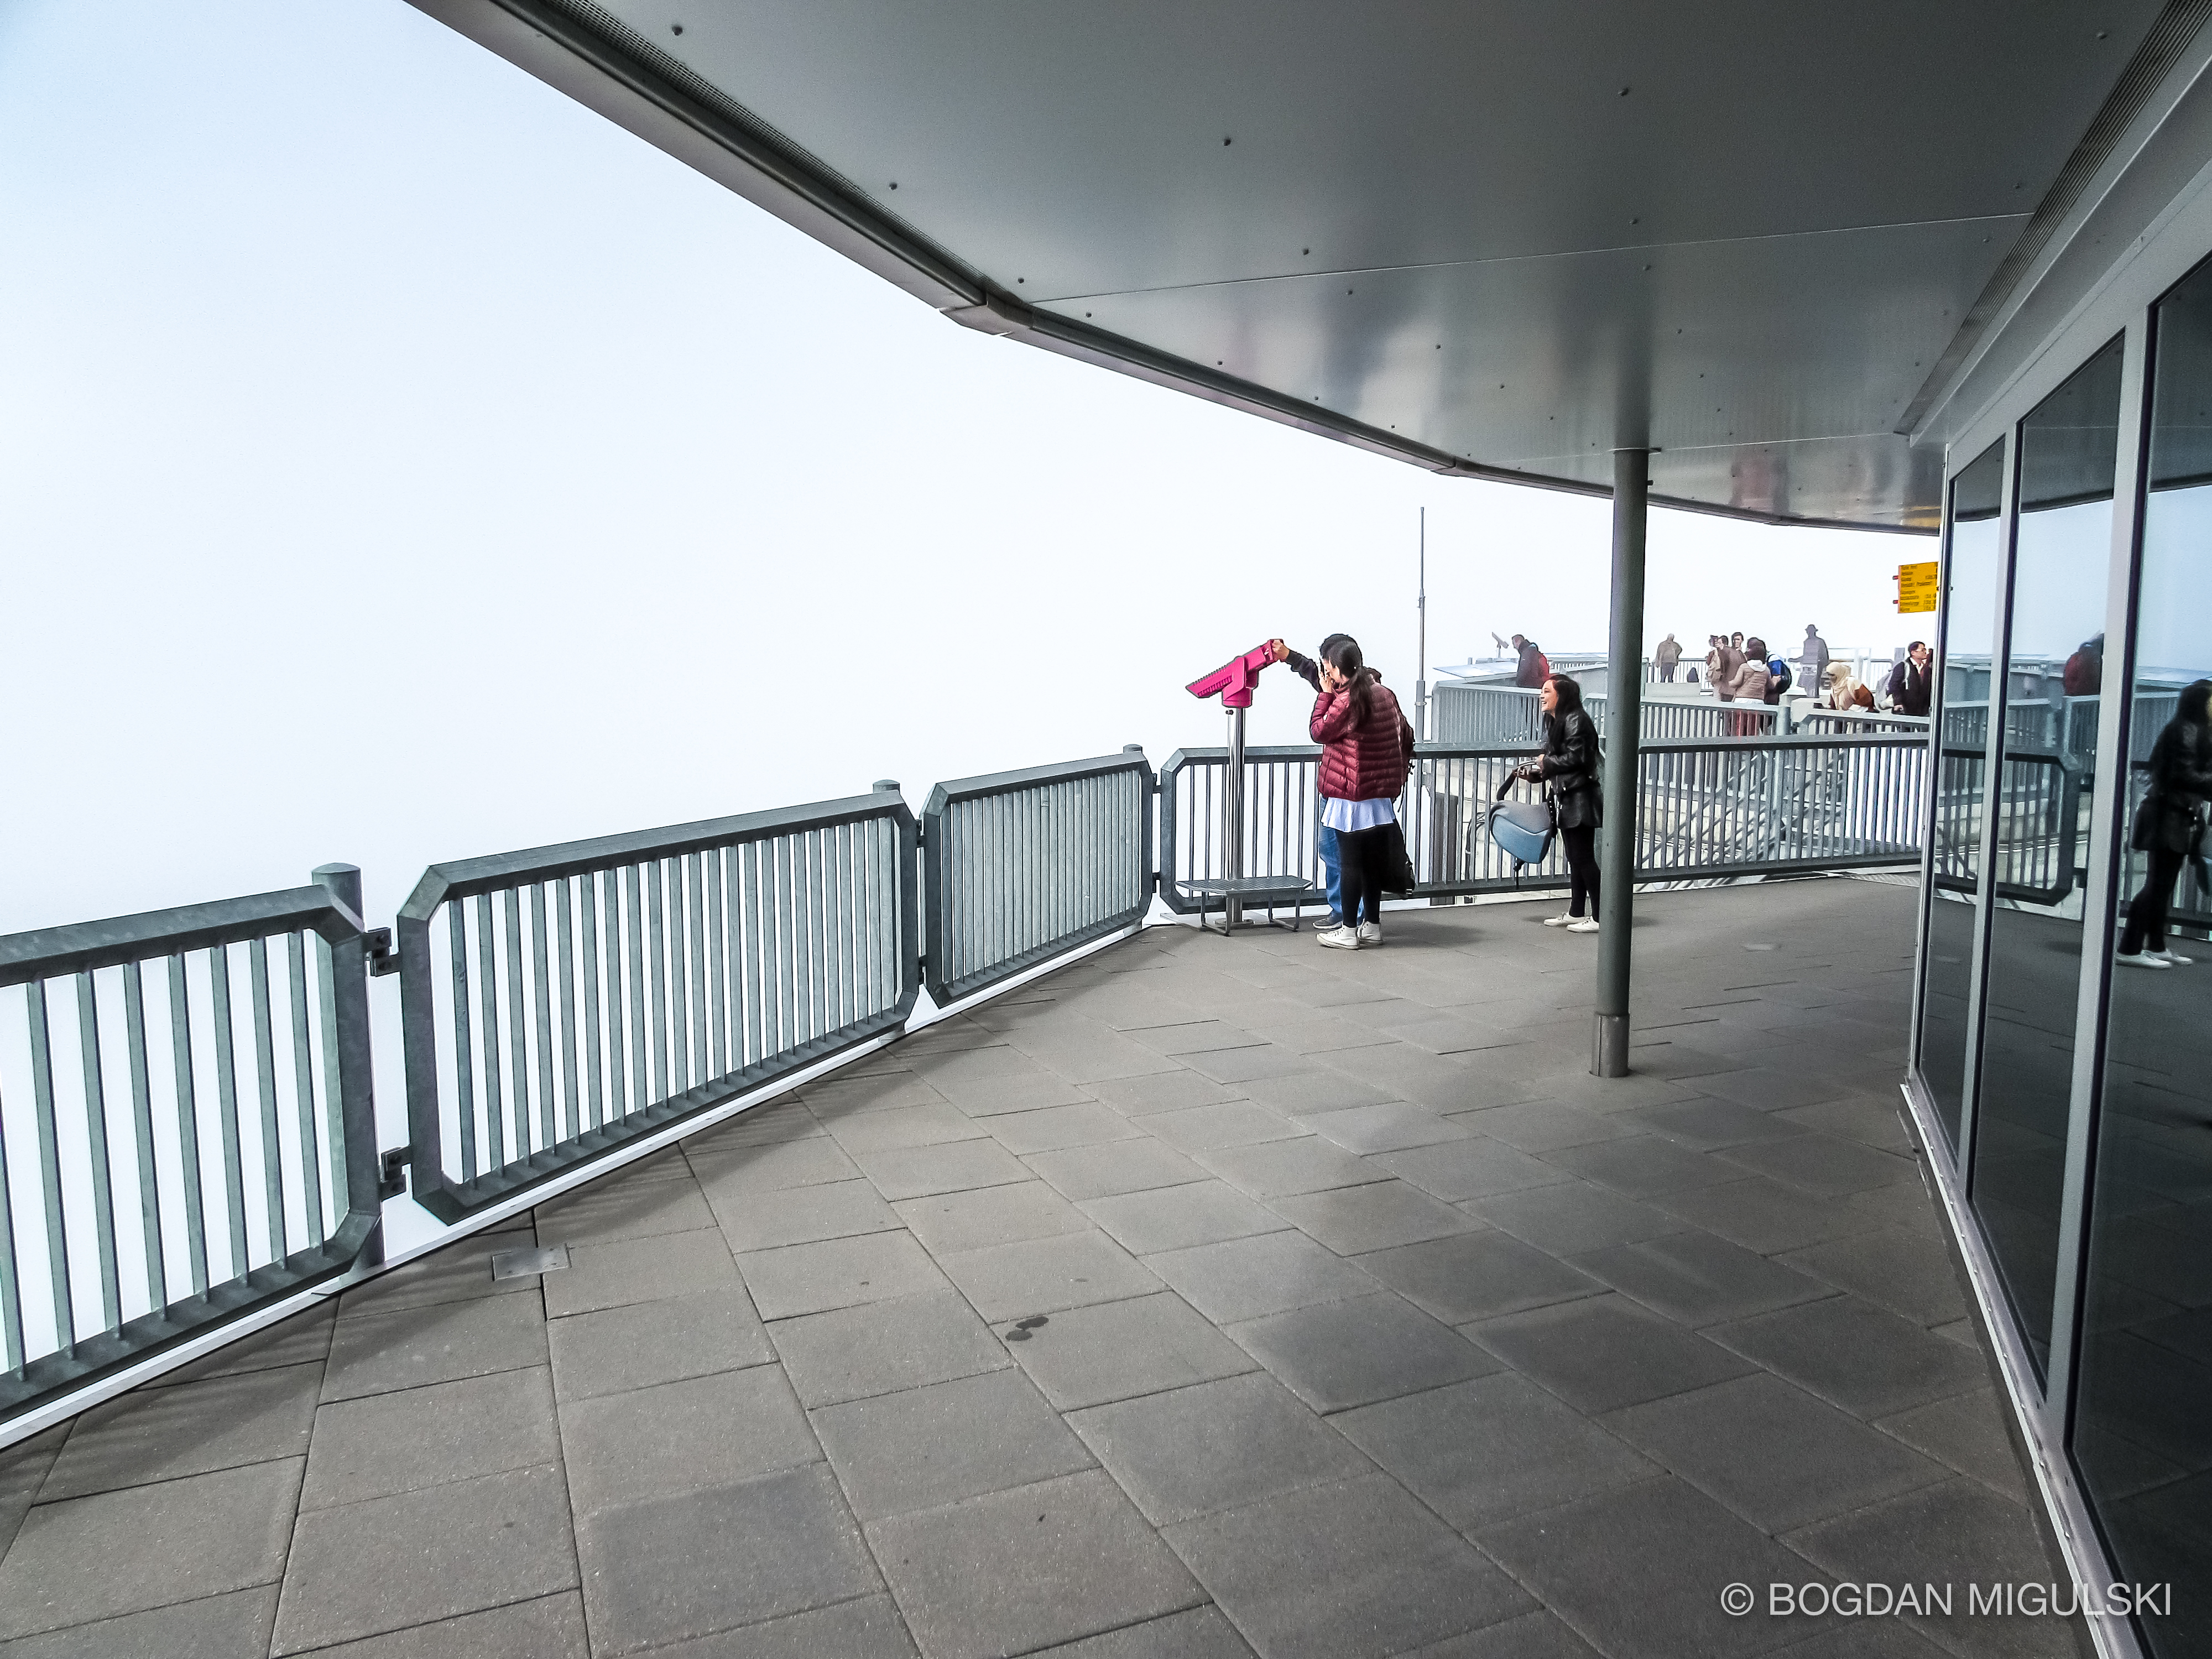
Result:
pixel 1209 1297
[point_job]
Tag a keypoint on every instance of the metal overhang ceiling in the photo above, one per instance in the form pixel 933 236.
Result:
pixel 1511 236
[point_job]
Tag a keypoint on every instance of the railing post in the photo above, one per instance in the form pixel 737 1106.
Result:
pixel 1625 702
pixel 345 981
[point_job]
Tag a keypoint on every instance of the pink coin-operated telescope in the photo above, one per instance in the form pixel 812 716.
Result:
pixel 1232 682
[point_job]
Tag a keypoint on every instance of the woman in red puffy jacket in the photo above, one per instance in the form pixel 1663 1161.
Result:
pixel 1367 747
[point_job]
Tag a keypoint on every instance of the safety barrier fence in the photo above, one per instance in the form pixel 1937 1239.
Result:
pixel 1468 715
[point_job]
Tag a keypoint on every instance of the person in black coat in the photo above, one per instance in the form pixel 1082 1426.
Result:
pixel 1571 765
pixel 2170 824
pixel 1911 689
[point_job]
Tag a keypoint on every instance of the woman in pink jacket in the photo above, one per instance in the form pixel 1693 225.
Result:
pixel 1367 747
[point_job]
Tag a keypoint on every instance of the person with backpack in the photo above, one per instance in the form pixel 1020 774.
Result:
pixel 1778 677
pixel 1573 768
pixel 2169 825
pixel 1911 689
pixel 1367 746
pixel 1533 668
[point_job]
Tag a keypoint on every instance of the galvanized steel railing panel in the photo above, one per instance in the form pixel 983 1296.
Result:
pixel 188 1132
pixel 1018 868
pixel 561 1002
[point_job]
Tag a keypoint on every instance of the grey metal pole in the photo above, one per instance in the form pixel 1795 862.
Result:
pixel 1624 722
pixel 1421 659
pixel 1232 821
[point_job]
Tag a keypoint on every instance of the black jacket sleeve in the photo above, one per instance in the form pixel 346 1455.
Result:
pixel 1305 667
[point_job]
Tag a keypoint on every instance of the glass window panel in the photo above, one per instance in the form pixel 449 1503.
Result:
pixel 1968 625
pixel 2053 665
pixel 2142 1435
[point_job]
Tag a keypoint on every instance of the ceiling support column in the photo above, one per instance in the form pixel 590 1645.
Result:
pixel 1616 846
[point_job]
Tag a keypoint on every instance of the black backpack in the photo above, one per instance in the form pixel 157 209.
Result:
pixel 1778 680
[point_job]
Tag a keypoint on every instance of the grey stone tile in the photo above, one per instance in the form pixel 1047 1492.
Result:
pixel 989 1215
pixel 603 1211
pixel 1906 1205
pixel 1225 1123
pixel 1054 1128
pixel 1604 1352
pixel 157 1434
pixel 300 1340
pixel 1250 1278
pixel 1387 1128
pixel 801 1215
pixel 773 1166
pixel 1476 1168
pixel 715 1559
pixel 1569 1219
pixel 1477 1275
pixel 1339 1354
pixel 1315 1091
pixel 1967 1432
pixel 682 1437
pixel 1121 1166
pixel 215 1627
pixel 23 1469
pixel 838 1273
pixel 784 1118
pixel 1540 1126
pixel 1044 1275
pixel 437 1344
pixel 1763 1215
pixel 884 1347
pixel 956 1167
pixel 1118 1350
pixel 928 1446
pixel 1190 1451
pixel 1491 1448
pixel 987 1576
pixel 356 1571
pixel 1638 1571
pixel 1873 1119
pixel 1860 1357
pixel 1644 1166
pixel 1195 1036
pixel 1345 1571
pixel 641 1270
pixel 1178 1090
pixel 1177 1218
pixel 1708 1125
pixel 843 1094
pixel 1903 1271
pixel 907 1126
pixel 1772 1453
pixel 118 1553
pixel 1198 1633
pixel 649 1342
pixel 1699 1279
pixel 1246 1066
pixel 1960 1533
pixel 460 1272
pixel 386 1444
pixel 1090 1057
pixel 1453 1034
pixel 1374 1217
pixel 1541 1635
pixel 550 1627
pixel 1823 1165
pixel 866 1627
pixel 1273 1168
pixel 1771 1089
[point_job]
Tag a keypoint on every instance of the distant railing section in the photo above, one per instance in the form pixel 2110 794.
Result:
pixel 1468 715
pixel 1018 868
pixel 560 1002
pixel 188 1132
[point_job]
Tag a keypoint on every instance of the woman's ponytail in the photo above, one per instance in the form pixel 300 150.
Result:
pixel 1343 655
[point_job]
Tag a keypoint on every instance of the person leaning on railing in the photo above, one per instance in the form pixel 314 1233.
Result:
pixel 1572 765
pixel 1367 746
pixel 2170 825
pixel 1846 694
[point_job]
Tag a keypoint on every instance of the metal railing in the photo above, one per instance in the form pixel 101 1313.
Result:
pixel 1018 868
pixel 1468 714
pixel 560 1002
pixel 192 1088
pixel 1822 722
pixel 1709 808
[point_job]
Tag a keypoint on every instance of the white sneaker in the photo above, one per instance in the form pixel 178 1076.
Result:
pixel 1348 939
pixel 2171 958
pixel 1560 920
pixel 1371 934
pixel 1583 925
pixel 2143 959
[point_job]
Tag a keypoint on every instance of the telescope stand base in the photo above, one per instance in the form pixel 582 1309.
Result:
pixel 1609 1046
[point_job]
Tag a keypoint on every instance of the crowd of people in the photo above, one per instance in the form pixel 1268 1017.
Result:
pixel 1740 668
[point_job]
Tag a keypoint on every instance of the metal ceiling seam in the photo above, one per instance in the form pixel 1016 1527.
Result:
pixel 2162 48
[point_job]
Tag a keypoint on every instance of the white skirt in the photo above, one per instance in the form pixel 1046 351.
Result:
pixel 1345 816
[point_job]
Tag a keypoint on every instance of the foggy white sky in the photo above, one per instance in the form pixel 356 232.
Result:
pixel 399 463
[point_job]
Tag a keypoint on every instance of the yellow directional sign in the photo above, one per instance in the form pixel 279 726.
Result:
pixel 1916 588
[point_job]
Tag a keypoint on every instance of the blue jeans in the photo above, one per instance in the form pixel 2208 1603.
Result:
pixel 1332 869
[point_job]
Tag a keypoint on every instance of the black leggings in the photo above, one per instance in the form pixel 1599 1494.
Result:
pixel 2147 910
pixel 1361 855
pixel 1581 844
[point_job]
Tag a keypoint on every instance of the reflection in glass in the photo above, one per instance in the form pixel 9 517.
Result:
pixel 2053 665
pixel 2143 1435
pixel 1969 623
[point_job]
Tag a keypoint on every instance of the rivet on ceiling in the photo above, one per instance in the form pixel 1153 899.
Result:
pixel 677 28
pixel 1224 143
pixel 894 184
pixel 1624 91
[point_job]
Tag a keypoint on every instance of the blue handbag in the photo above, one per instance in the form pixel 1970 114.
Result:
pixel 1522 829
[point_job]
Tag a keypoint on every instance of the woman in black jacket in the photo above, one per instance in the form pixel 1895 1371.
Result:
pixel 2169 824
pixel 1570 764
